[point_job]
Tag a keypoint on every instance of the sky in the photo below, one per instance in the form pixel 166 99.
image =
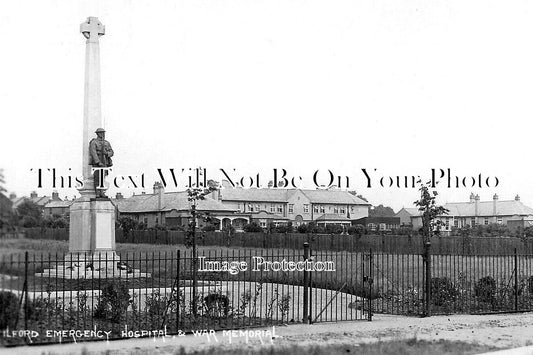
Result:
pixel 399 87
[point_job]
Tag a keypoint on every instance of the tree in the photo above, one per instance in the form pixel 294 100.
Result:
pixel 194 195
pixel 2 181
pixel 381 211
pixel 30 214
pixel 427 204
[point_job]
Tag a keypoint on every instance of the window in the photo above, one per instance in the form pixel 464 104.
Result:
pixel 306 208
pixel 472 222
pixel 500 221
pixel 352 209
pixel 262 223
pixel 322 209
pixel 258 208
pixel 486 221
pixel 447 225
pixel 372 226
pixel 335 210
pixel 456 223
pixel 272 208
pixel 280 209
pixel 343 210
pixel 315 208
pixel 291 209
pixel 157 220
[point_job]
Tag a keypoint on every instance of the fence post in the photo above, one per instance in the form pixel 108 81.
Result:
pixel 370 282
pixel 26 257
pixel 310 290
pixel 305 319
pixel 515 280
pixel 178 298
pixel 427 257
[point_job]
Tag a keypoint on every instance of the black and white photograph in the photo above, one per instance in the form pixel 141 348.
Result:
pixel 233 177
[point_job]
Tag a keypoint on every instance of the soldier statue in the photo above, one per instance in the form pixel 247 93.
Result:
pixel 100 153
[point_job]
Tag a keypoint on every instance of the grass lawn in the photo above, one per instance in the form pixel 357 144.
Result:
pixel 398 280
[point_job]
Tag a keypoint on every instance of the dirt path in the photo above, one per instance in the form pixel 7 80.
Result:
pixel 502 331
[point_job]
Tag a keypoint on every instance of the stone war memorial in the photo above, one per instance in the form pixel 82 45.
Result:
pixel 92 216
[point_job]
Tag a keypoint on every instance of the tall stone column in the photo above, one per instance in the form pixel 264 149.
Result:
pixel 91 29
pixel 92 220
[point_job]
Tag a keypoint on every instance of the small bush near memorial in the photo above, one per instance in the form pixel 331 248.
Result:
pixel 443 291
pixel 8 309
pixel 113 302
pixel 485 289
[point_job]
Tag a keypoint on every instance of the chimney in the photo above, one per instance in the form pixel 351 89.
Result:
pixel 495 204
pixel 33 194
pixel 55 196
pixel 215 195
pixel 472 198
pixel 158 186
pixel 476 198
pixel 119 196
pixel 517 198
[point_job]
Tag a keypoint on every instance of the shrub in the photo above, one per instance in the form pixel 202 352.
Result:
pixel 8 309
pixel 443 291
pixel 485 289
pixel 302 228
pixel 209 228
pixel 252 228
pixel 334 229
pixel 113 302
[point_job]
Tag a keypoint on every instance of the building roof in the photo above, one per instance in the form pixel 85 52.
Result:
pixel 39 200
pixel 58 204
pixel 413 211
pixel 282 196
pixel 486 208
pixel 333 197
pixel 170 201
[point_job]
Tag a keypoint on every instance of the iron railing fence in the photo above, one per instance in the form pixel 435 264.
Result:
pixel 132 294
pixel 143 293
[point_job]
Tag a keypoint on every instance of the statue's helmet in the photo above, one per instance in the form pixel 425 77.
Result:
pixel 100 130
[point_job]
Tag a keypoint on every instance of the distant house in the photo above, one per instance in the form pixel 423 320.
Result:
pixel 57 208
pixel 405 215
pixel 40 201
pixel 378 223
pixel 296 205
pixel 475 212
pixel 172 209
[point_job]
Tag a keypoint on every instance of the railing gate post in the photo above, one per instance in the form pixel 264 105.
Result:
pixel 515 280
pixel 305 319
pixel 427 260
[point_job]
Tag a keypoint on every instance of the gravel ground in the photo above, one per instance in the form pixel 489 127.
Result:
pixel 501 331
